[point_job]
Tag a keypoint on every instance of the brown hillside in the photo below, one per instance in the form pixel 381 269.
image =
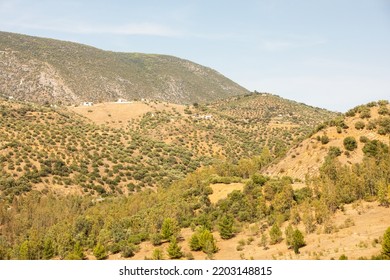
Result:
pixel 309 155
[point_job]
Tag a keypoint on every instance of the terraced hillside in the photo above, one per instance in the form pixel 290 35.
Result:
pixel 46 70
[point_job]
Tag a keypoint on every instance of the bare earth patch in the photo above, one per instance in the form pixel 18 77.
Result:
pixel 118 114
pixel 221 191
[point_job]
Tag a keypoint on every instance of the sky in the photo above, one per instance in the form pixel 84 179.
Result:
pixel 333 54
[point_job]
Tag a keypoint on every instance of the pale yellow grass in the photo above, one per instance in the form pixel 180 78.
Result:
pixel 118 114
pixel 221 191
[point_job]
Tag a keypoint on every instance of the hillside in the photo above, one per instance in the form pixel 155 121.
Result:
pixel 364 124
pixel 230 129
pixel 46 70
pixel 73 187
pixel 116 148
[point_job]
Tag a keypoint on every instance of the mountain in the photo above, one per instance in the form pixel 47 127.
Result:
pixel 46 70
pixel 362 124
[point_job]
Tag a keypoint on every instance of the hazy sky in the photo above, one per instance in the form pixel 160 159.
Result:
pixel 333 54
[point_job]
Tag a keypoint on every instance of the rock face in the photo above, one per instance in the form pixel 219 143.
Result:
pixel 45 70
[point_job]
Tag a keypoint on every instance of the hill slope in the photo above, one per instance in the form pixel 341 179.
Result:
pixel 364 124
pixel 231 129
pixel 46 70
pixel 130 146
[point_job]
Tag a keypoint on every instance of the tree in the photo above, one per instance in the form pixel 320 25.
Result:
pixel 225 227
pixel 174 250
pixel 77 253
pixel 383 193
pixel 275 234
pixel 100 252
pixel 194 243
pixel 169 228
pixel 24 249
pixel 298 241
pixel 203 240
pixel 289 233
pixel 157 254
pixel 350 143
pixel 264 241
pixel 48 250
pixel 386 245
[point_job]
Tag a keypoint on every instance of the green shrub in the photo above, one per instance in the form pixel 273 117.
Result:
pixel 383 110
pixel 100 252
pixel 225 227
pixel 203 240
pixel 334 152
pixel 386 244
pixel 174 250
pixel 350 143
pixel 275 234
pixel 360 125
pixel 324 139
pixel 363 139
pixel 298 241
pixel 343 257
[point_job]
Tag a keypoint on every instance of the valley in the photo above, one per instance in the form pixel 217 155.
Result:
pixel 140 156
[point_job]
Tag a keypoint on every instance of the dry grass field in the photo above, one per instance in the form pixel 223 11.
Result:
pixel 118 115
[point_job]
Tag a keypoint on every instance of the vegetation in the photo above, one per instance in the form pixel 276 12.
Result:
pixel 386 245
pixel 68 187
pixel 64 73
pixel 350 143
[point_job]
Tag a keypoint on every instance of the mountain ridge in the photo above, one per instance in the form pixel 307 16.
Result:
pixel 61 72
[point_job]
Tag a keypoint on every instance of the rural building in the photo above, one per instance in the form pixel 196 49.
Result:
pixel 121 100
pixel 88 103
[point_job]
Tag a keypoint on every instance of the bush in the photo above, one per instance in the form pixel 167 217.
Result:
pixel 343 257
pixel 374 148
pixel 334 152
pixel 225 227
pixel 203 240
pixel 386 244
pixel 174 250
pixel 324 139
pixel 350 143
pixel 169 228
pixel 365 113
pixel 298 241
pixel 383 110
pixel 359 125
pixel 99 252
pixel 275 234
pixel 363 139
pixel 157 254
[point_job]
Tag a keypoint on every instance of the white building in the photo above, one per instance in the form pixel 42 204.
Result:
pixel 121 100
pixel 88 103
